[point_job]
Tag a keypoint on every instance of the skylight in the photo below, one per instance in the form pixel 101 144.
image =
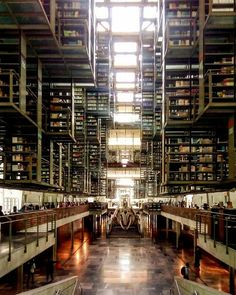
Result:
pixel 101 12
pixel 129 47
pixel 125 77
pixel 103 26
pixel 149 12
pixel 124 109
pixel 125 60
pixel 125 96
pixel 122 141
pixel 125 182
pixel 125 19
pixel 125 86
pixel 124 1
pixel 126 117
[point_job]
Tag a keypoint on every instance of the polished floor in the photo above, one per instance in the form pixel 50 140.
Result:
pixel 125 266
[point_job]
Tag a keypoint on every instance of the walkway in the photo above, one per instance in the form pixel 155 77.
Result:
pixel 121 266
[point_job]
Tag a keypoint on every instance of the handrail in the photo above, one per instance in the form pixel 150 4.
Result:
pixel 190 287
pixel 69 286
pixel 39 222
pixel 218 224
pixel 177 287
pixel 23 223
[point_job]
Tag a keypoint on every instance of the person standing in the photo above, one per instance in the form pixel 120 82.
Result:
pixel 50 269
pixel 185 271
pixel 31 266
pixel 1 213
pixel 197 257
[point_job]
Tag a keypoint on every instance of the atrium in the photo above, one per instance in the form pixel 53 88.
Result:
pixel 117 120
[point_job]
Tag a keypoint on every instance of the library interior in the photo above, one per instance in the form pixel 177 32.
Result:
pixel 118 176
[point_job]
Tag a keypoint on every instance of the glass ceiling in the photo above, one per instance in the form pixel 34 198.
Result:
pixel 125 22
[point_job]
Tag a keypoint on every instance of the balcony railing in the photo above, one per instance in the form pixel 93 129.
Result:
pixel 217 224
pixel 28 227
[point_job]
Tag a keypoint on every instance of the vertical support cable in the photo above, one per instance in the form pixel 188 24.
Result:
pixel 47 228
pixel 55 225
pixel 214 230
pixel 25 223
pixel 10 240
pixel 227 234
pixel 205 229
pixel 37 240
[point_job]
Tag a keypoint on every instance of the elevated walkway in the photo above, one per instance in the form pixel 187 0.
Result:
pixel 24 236
pixel 213 231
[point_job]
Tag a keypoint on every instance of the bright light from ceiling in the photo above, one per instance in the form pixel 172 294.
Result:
pixel 125 19
pixel 124 161
pixel 124 108
pixel 101 12
pixel 125 77
pixel 125 96
pixel 120 47
pixel 148 26
pixel 124 1
pixel 149 12
pixel 124 86
pixel 125 181
pixel 102 26
pixel 124 141
pixel 113 173
pixel 138 96
pixel 125 60
pixel 126 118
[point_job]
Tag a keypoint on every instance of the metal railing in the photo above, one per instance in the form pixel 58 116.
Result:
pixel 10 87
pixel 218 226
pixel 186 287
pixel 219 90
pixel 32 226
pixel 69 286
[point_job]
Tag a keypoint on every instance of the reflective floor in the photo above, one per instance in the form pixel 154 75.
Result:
pixel 124 266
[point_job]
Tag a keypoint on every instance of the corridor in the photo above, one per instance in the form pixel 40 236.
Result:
pixel 122 266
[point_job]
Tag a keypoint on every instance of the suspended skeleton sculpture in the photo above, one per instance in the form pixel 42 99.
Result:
pixel 125 217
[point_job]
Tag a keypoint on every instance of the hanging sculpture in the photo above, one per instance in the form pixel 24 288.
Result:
pixel 125 217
